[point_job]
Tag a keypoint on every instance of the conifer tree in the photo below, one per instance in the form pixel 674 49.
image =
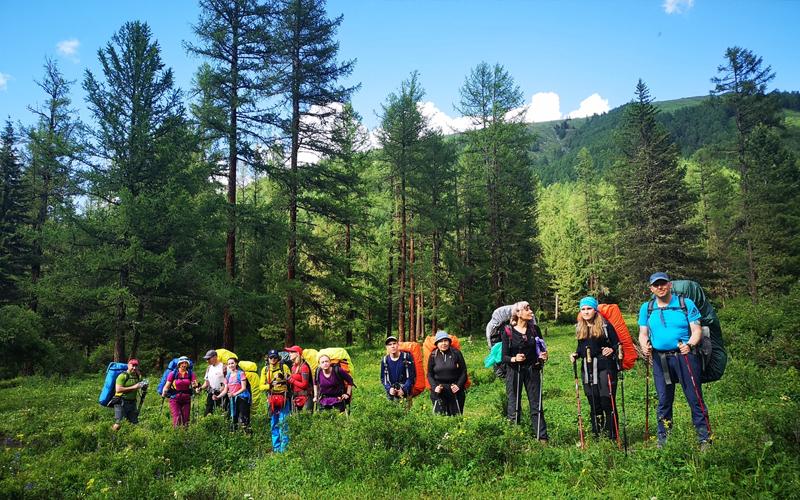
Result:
pixel 304 51
pixel 54 145
pixel 655 205
pixel 14 205
pixel 234 40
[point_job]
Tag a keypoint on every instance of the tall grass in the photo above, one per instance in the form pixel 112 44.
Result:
pixel 58 443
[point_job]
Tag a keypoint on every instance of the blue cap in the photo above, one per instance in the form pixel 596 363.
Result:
pixel 659 277
pixel 272 353
pixel 441 335
pixel 588 301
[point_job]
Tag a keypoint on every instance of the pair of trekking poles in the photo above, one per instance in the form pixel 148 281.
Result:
pixel 518 401
pixel 591 382
pixel 694 386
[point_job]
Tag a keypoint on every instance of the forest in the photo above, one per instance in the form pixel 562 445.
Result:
pixel 255 210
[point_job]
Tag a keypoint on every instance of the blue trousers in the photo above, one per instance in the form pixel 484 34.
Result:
pixel 679 374
pixel 280 427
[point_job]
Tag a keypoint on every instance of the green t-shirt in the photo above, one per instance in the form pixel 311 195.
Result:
pixel 126 379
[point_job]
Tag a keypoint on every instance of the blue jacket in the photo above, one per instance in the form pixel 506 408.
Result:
pixel 398 372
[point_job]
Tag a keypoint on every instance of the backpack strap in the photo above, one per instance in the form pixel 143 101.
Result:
pixel 386 369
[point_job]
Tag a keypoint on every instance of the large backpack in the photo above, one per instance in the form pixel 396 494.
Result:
pixel 712 352
pixel 612 314
pixel 172 368
pixel 410 353
pixel 110 383
pixel 428 347
pixel 250 370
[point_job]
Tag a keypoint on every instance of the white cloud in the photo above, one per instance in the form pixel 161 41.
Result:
pixel 69 48
pixel 544 107
pixel 592 105
pixel 4 78
pixel 677 6
pixel 438 119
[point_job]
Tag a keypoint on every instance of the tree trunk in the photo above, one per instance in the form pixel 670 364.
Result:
pixel 291 264
pixel 119 335
pixel 390 286
pixel 351 313
pixel 412 318
pixel 401 270
pixel 136 331
pixel 228 339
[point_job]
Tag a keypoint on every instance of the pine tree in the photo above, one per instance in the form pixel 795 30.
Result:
pixel 234 40
pixel 401 136
pixel 742 84
pixel 54 146
pixel 500 144
pixel 655 205
pixel 306 86
pixel 15 252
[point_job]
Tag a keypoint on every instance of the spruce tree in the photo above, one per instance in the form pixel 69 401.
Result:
pixel 14 205
pixel 655 206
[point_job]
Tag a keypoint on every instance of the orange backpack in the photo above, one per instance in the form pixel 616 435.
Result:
pixel 612 314
pixel 415 350
pixel 428 347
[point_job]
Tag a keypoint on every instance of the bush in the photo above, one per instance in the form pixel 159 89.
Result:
pixel 22 346
pixel 761 332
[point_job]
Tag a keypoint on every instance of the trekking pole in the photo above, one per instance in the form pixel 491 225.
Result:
pixel 621 373
pixel 578 401
pixel 613 409
pixel 539 414
pixel 234 416
pixel 591 381
pixel 517 396
pixel 697 392
pixel 647 398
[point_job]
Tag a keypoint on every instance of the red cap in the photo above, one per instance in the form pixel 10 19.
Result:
pixel 294 348
pixel 134 361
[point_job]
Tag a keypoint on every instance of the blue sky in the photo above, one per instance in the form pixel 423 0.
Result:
pixel 559 52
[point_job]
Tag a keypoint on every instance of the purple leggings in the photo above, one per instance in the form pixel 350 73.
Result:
pixel 180 409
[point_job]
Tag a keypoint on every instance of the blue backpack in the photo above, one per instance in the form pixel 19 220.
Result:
pixel 110 385
pixel 172 368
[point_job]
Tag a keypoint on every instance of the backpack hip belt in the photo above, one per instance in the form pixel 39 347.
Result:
pixel 662 360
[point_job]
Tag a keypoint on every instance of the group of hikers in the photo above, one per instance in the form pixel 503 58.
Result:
pixel 669 336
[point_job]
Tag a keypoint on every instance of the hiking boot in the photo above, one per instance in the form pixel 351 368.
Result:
pixel 705 445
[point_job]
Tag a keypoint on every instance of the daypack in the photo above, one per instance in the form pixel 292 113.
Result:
pixel 612 314
pixel 172 368
pixel 406 357
pixel 110 383
pixel 713 355
pixel 428 347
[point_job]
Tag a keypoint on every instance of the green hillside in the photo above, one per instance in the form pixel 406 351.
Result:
pixel 693 123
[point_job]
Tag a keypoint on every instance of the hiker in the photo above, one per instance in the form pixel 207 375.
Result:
pixel 599 338
pixel 333 387
pixel 213 382
pixel 274 383
pixel 669 332
pixel 235 387
pixel 300 381
pixel 397 371
pixel 178 388
pixel 524 354
pixel 447 376
pixel 127 386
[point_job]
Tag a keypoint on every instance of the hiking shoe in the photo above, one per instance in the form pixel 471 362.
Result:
pixel 705 445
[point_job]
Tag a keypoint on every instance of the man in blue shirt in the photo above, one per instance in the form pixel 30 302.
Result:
pixel 397 371
pixel 669 332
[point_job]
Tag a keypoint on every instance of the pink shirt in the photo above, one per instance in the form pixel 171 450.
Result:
pixel 234 381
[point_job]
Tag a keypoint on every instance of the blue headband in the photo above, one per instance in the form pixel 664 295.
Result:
pixel 588 301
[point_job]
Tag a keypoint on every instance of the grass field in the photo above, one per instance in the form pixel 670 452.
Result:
pixel 57 443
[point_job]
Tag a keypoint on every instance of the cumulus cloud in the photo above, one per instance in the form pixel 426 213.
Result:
pixel 677 6
pixel 4 78
pixel 592 105
pixel 69 48
pixel 439 120
pixel 544 107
